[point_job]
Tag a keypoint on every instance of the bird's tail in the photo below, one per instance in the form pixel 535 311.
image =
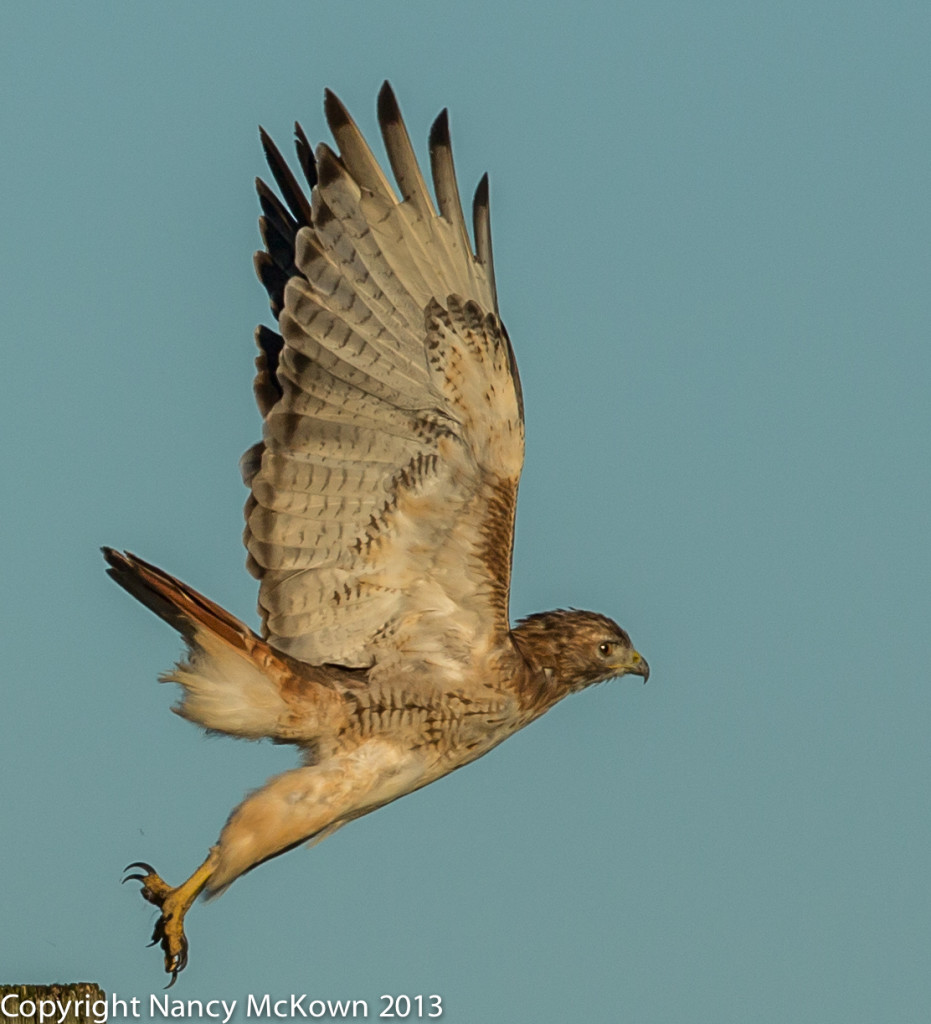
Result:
pixel 231 678
pixel 178 604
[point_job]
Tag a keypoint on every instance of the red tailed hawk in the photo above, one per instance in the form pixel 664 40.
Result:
pixel 381 517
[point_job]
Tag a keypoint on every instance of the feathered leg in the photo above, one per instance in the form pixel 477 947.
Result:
pixel 311 802
pixel 287 810
pixel 292 808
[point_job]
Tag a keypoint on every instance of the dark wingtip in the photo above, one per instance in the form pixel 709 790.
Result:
pixel 481 191
pixel 336 114
pixel 269 341
pixel 439 132
pixel 290 190
pixel 388 110
pixel 305 155
pixel 328 166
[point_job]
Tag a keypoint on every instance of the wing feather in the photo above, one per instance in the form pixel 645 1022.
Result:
pixel 290 189
pixel 356 155
pixel 447 194
pixel 481 221
pixel 401 153
pixel 380 522
pixel 348 355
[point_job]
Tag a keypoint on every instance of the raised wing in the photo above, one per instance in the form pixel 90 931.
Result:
pixel 383 492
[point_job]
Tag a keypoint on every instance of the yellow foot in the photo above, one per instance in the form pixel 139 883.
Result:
pixel 174 903
pixel 169 928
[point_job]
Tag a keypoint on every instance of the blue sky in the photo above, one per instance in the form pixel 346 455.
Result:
pixel 712 229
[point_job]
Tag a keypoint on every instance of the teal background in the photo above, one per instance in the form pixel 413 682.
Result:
pixel 712 230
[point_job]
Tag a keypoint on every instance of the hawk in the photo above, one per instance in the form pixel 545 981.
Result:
pixel 380 522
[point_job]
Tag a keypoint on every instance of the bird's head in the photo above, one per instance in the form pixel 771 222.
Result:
pixel 578 648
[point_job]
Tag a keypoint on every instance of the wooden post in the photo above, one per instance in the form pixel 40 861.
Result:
pixel 27 1003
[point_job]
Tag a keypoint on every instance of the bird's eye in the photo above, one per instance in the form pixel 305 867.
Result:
pixel 605 649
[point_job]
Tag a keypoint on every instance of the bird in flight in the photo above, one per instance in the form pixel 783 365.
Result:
pixel 380 522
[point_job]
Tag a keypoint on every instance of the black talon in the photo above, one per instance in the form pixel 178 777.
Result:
pixel 133 878
pixel 177 965
pixel 149 870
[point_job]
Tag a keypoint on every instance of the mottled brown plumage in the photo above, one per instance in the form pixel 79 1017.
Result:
pixel 380 519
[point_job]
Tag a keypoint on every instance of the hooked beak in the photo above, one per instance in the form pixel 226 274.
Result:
pixel 636 665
